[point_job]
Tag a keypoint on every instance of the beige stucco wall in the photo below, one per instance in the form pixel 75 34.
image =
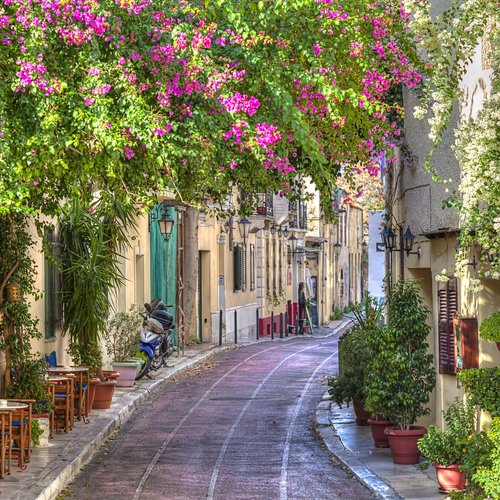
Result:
pixel 135 266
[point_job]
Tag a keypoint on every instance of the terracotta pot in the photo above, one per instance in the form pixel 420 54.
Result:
pixel 450 478
pixel 403 444
pixel 380 438
pixel 127 371
pixel 362 415
pixel 104 394
pixel 91 393
pixel 498 345
pixel 111 374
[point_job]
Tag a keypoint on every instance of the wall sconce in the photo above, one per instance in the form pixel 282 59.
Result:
pixel 244 227
pixel 292 244
pixel 281 230
pixel 165 221
pixel 406 240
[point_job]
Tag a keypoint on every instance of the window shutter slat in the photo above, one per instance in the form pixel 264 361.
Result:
pixel 447 307
pixel 237 268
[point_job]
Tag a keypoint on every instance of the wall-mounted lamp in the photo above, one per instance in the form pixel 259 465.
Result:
pixel 292 244
pixel 244 227
pixel 281 230
pixel 406 240
pixel 165 221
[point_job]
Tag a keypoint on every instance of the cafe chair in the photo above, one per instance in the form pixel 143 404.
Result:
pixel 5 439
pixel 21 432
pixel 80 396
pixel 63 404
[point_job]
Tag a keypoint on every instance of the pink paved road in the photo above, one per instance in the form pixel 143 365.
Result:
pixel 240 429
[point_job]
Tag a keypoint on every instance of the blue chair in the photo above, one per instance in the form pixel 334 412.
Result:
pixel 51 359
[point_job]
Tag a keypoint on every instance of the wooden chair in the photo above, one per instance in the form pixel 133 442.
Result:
pixel 51 393
pixel 81 387
pixel 5 439
pixel 63 403
pixel 20 437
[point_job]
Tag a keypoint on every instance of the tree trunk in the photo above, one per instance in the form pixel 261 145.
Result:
pixel 190 277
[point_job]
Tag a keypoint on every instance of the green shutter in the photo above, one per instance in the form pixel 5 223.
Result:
pixel 238 271
pixel 163 265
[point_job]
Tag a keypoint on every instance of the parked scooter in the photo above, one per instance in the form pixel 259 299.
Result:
pixel 156 337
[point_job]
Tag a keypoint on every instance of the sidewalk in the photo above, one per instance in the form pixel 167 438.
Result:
pixel 353 446
pixel 51 469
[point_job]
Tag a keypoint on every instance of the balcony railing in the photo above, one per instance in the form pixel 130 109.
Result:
pixel 265 204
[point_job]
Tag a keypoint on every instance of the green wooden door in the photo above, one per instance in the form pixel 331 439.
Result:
pixel 164 264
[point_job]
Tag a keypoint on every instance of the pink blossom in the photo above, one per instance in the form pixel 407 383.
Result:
pixel 129 152
pixel 317 49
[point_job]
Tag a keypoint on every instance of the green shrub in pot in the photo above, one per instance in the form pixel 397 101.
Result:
pixel 401 376
pixel 446 447
pixel 354 354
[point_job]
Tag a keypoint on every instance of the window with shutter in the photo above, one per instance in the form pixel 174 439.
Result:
pixel 447 307
pixel 237 268
pixel 252 267
pixel 243 257
pixel 52 286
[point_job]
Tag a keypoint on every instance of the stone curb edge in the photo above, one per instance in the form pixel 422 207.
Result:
pixel 49 486
pixel 326 432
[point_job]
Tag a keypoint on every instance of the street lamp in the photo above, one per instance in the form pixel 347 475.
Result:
pixel 244 227
pixel 388 239
pixel 281 230
pixel 165 221
pixel 292 244
pixel 407 240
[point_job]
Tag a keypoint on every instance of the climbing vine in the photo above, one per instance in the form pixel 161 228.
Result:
pixel 449 42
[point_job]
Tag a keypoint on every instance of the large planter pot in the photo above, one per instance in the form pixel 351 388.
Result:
pixel 450 478
pixel 127 371
pixel 362 415
pixel 44 423
pixel 403 444
pixel 104 394
pixel 380 438
pixel 139 362
pixel 91 394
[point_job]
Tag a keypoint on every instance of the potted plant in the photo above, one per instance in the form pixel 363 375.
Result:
pixel 445 449
pixel 490 329
pixel 122 337
pixel 400 376
pixel 101 389
pixel 91 237
pixel 354 356
pixel 29 382
pixel 348 385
